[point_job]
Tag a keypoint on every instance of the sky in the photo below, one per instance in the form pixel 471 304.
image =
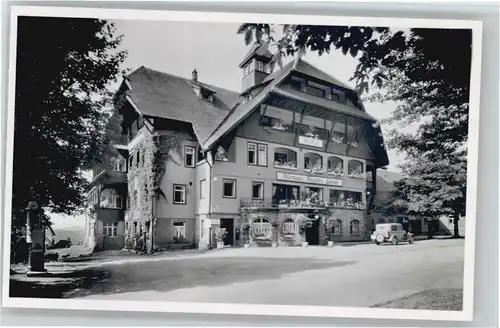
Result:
pixel 215 50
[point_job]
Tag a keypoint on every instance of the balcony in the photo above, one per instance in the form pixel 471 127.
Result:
pixel 272 203
pixel 248 204
pixel 109 177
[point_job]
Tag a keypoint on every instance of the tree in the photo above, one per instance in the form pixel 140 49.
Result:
pixel 425 71
pixel 64 69
pixel 436 188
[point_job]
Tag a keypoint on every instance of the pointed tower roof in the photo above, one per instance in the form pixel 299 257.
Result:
pixel 257 50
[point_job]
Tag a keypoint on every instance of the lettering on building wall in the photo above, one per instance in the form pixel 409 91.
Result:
pixel 314 142
pixel 285 176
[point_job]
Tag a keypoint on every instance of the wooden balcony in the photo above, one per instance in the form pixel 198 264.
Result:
pixel 110 177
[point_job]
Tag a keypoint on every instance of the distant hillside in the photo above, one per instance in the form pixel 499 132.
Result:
pixel 75 234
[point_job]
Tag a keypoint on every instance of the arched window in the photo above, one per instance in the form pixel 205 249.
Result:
pixel 261 227
pixel 285 158
pixel 354 227
pixel 288 226
pixel 355 169
pixel 313 162
pixel 337 227
pixel 335 166
pixel 110 199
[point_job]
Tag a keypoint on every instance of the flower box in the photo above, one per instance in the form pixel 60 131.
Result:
pixel 305 244
pixel 287 165
pixel 330 244
pixel 278 127
pixel 220 244
pixel 357 175
pixel 336 173
pixel 338 140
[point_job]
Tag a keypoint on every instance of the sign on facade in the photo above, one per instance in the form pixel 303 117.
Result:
pixel 285 176
pixel 309 141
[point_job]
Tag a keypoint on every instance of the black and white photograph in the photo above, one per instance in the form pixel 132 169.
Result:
pixel 273 164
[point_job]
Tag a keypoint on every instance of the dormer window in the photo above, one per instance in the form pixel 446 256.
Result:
pixel 206 95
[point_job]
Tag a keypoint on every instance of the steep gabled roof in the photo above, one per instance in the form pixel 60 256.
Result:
pixel 308 69
pixel 163 95
pixel 273 80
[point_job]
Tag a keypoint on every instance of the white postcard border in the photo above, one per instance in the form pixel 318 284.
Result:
pixel 277 310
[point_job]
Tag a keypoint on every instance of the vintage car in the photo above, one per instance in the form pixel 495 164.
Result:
pixel 391 232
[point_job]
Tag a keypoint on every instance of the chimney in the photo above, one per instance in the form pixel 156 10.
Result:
pixel 195 75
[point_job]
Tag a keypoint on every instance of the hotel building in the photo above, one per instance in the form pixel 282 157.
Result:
pixel 294 145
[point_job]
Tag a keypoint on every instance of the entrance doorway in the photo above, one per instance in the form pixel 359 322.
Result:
pixel 312 234
pixel 228 224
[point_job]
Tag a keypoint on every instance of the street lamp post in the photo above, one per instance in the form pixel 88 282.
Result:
pixel 35 239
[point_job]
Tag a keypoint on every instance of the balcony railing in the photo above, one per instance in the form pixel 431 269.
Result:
pixel 271 203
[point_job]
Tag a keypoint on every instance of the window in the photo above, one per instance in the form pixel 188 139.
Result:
pixel 280 158
pixel 337 227
pixel 203 189
pixel 451 221
pixel 202 227
pixel 257 154
pixel 261 227
pixel 131 160
pixel 394 228
pixel 118 202
pixel 189 156
pixel 262 155
pixel 296 85
pixel 315 91
pixel 179 194
pixel 252 154
pixel 355 196
pixel 110 229
pixel 257 190
pixel 119 165
pixel 288 226
pixel 354 227
pixel 355 168
pixel 277 119
pixel 260 66
pixel 179 230
pixel 110 199
pixel 229 188
pixel 138 158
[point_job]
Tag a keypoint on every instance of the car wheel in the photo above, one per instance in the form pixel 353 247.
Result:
pixel 394 241
pixel 379 239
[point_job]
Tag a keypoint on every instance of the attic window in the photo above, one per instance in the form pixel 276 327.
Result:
pixel 206 96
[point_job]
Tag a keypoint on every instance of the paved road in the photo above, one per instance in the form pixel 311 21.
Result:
pixel 361 275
